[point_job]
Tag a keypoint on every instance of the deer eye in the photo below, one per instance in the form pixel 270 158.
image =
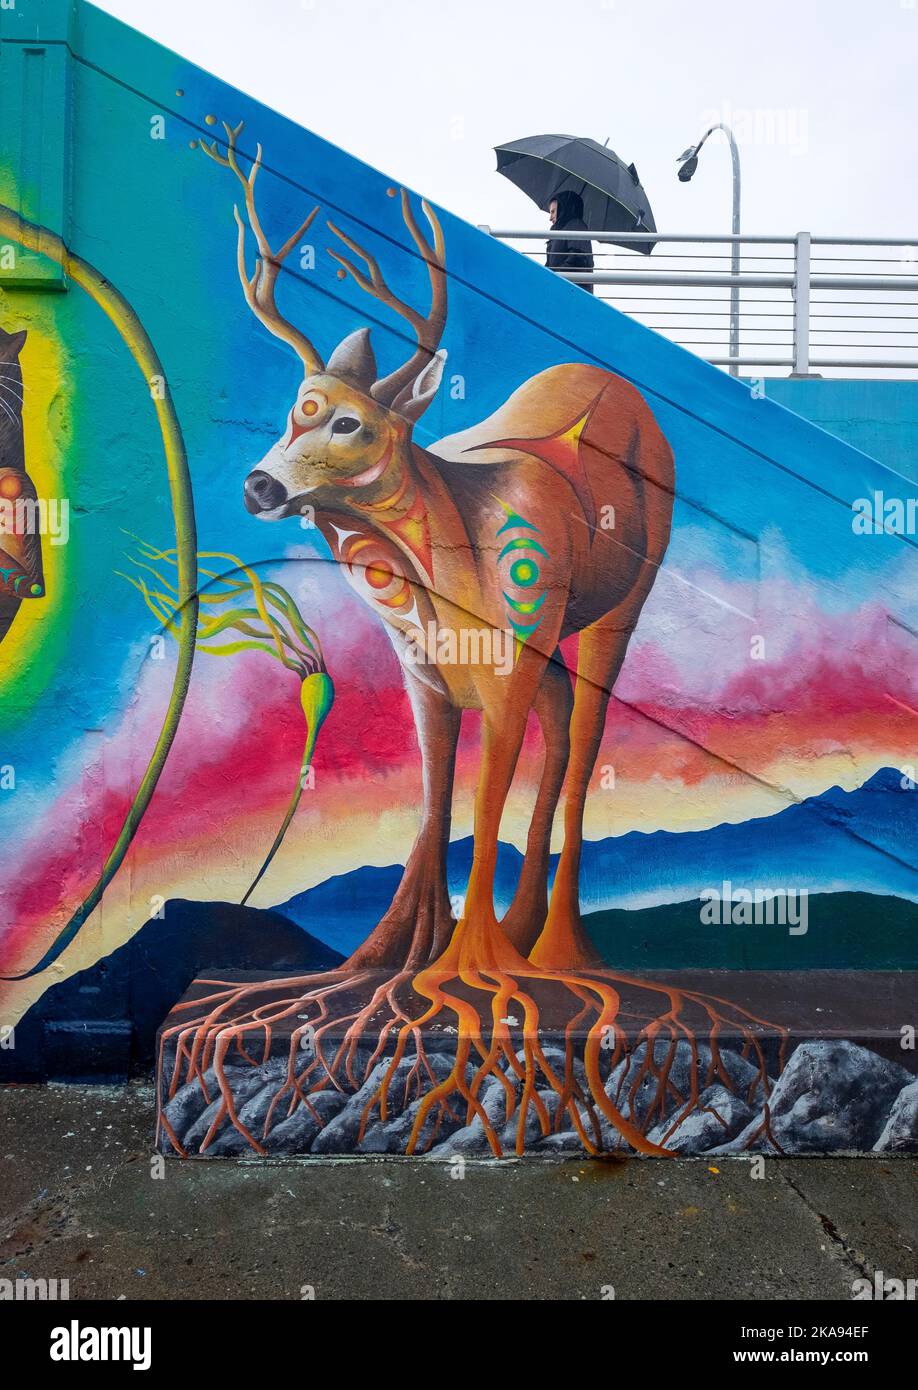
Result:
pixel 345 424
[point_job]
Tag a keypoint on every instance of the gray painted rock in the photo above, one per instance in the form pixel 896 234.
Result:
pixel 555 1057
pixel 532 1127
pixel 701 1130
pixel 831 1097
pixel 189 1103
pixel 252 1115
pixel 471 1138
pixel 340 1135
pixel 900 1133
pixel 295 1134
pixel 742 1074
pixel 191 1116
pixel 243 1090
pixel 567 1142
pixel 393 1136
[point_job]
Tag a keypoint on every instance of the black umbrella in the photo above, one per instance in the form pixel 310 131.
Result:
pixel 613 199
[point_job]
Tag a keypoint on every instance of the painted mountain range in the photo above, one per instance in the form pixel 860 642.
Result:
pixel 842 846
pixel 641 893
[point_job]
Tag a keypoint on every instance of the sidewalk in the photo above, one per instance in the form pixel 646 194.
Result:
pixel 78 1201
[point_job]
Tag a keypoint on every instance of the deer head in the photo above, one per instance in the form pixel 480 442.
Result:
pixel 348 429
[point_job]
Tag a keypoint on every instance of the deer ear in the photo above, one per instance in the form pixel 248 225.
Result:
pixel 354 357
pixel 413 399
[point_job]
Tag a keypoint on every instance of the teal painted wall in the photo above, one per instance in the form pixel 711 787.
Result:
pixel 878 417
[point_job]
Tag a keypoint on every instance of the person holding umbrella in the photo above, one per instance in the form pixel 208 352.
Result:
pixel 566 213
pixel 582 185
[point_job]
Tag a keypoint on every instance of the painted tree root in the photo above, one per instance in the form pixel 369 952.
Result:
pixel 347 1010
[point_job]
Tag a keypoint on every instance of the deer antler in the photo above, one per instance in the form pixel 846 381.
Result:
pixel 259 289
pixel 428 329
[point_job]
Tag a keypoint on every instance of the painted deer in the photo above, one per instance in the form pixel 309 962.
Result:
pixel 549 519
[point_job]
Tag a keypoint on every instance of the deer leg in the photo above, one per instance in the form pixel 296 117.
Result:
pixel 419 922
pixel 553 703
pixel 563 943
pixel 478 942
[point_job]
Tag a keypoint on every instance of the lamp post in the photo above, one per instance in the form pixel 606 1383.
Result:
pixel 688 162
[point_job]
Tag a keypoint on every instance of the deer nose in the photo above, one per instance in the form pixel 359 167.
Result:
pixel 263 493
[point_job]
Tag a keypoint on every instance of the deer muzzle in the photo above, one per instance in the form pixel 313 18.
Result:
pixel 262 493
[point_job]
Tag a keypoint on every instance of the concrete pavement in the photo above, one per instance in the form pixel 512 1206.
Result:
pixel 83 1197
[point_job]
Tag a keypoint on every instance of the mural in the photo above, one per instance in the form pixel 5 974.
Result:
pixel 555 773
pixel 433 544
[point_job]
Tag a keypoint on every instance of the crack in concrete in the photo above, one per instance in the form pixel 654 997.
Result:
pixel 392 1231
pixel 840 1244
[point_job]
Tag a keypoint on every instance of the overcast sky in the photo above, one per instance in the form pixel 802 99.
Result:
pixel 822 92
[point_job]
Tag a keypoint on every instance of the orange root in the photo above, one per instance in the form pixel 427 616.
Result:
pixel 347 1023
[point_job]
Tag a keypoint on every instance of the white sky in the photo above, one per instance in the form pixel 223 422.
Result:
pixel 822 92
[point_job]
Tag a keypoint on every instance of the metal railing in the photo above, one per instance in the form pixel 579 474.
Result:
pixel 811 305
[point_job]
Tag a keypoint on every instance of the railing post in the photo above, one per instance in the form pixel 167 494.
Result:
pixel 801 366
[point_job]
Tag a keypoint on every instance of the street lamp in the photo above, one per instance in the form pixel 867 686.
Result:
pixel 688 163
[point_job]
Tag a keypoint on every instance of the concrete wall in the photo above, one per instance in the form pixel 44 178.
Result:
pixel 878 417
pixel 761 733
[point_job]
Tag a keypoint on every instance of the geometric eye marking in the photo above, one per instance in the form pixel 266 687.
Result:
pixel 520 555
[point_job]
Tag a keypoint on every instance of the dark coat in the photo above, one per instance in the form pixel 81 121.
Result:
pixel 574 254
